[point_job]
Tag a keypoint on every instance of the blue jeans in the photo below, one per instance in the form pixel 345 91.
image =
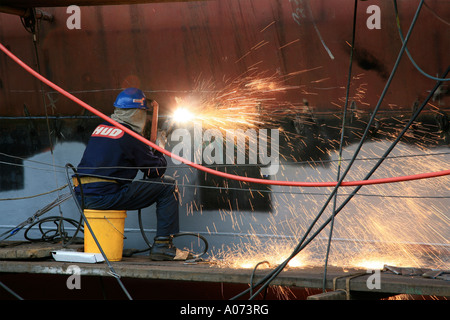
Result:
pixel 141 194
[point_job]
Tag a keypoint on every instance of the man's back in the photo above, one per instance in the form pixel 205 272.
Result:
pixel 113 154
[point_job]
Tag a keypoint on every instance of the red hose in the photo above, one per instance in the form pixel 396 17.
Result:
pixel 212 171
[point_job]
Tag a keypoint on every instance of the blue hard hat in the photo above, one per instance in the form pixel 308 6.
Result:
pixel 131 98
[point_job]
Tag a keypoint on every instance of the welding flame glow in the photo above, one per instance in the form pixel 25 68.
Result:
pixel 391 225
pixel 182 115
pixel 262 256
pixel 245 102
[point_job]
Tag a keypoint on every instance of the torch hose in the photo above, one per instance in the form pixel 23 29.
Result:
pixel 209 170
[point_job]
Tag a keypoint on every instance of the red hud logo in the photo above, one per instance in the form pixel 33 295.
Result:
pixel 107 132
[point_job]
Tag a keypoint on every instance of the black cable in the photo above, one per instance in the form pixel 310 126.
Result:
pixel 303 244
pixel 205 249
pixel 430 95
pixel 47 236
pixel 268 279
pixel 149 245
pixel 407 51
pixel 180 234
pixel 141 227
pixel 32 24
pixel 259 190
pixel 36 215
pixel 253 275
pixel 341 144
pixel 10 291
pixel 308 162
pixel 81 208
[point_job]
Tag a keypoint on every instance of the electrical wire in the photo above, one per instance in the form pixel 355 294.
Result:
pixel 407 51
pixel 359 184
pixel 305 162
pixel 303 243
pixel 436 15
pixel 60 199
pixel 34 195
pixel 269 278
pixel 223 174
pixel 53 235
pixel 197 235
pixel 253 275
pixel 80 206
pixel 341 143
pixel 34 30
pixel 180 234
pixel 10 291
pixel 242 189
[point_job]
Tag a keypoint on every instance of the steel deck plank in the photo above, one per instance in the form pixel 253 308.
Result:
pixel 306 277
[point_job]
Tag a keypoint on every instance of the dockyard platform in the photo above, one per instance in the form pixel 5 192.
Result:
pixel 35 260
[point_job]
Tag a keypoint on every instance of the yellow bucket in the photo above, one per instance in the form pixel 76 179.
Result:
pixel 108 227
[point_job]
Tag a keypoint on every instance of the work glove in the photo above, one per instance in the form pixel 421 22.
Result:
pixel 168 126
pixel 166 129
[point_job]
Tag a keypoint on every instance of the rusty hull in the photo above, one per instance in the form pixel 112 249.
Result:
pixel 168 48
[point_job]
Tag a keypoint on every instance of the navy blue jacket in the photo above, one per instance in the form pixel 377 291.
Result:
pixel 113 153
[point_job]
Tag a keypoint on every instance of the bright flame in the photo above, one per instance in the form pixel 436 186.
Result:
pixel 377 231
pixel 245 102
pixel 249 257
pixel 246 263
pixel 182 115
pixel 371 264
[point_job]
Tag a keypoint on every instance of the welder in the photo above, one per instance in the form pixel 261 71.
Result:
pixel 112 160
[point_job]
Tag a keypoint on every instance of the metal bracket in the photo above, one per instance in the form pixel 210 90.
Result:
pixel 347 282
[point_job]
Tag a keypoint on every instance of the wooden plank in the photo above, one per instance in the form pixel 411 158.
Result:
pixel 24 250
pixel 17 257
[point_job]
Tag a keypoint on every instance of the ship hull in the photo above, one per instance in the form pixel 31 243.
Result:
pixel 169 49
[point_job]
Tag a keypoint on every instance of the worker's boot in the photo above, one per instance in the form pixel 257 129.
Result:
pixel 163 249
